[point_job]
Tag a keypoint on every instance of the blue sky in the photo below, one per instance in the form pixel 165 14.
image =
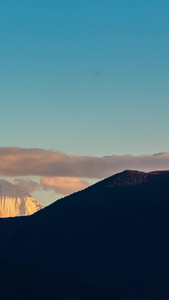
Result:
pixel 85 77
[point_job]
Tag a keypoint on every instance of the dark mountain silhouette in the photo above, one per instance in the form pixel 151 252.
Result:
pixel 112 237
pixel 19 282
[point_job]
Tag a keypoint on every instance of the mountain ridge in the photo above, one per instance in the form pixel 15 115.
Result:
pixel 115 240
pixel 132 177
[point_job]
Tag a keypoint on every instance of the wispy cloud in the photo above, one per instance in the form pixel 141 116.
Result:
pixel 60 185
pixel 44 163
pixel 27 184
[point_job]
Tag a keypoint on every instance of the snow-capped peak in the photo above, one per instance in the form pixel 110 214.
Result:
pixel 16 202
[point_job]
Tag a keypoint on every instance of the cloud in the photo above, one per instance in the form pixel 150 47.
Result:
pixel 63 173
pixel 60 185
pixel 26 184
pixel 47 163
pixel 63 185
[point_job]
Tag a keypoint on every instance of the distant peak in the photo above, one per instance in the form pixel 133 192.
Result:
pixel 16 202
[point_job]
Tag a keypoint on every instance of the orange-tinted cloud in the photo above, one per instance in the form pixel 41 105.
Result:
pixel 60 185
pixel 43 163
pixel 63 185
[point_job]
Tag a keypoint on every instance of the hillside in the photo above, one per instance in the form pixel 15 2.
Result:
pixel 112 236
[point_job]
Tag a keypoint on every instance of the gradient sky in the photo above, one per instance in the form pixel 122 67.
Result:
pixel 85 77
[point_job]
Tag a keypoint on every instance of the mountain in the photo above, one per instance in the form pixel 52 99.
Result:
pixel 15 202
pixel 19 282
pixel 112 237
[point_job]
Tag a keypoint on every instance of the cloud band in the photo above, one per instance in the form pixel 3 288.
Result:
pixel 46 163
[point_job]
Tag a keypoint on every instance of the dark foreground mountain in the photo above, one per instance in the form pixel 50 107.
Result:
pixel 19 282
pixel 112 237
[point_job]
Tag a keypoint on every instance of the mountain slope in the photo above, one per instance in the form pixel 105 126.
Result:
pixel 113 236
pixel 15 202
pixel 19 281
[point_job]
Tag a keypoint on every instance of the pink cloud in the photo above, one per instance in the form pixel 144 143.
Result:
pixel 63 185
pixel 47 163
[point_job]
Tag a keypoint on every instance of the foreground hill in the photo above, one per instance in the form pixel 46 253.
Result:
pixel 112 236
pixel 19 282
pixel 16 202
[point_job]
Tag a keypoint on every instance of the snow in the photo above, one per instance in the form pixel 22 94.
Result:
pixel 15 202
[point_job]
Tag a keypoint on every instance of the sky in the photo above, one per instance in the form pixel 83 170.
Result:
pixel 84 86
